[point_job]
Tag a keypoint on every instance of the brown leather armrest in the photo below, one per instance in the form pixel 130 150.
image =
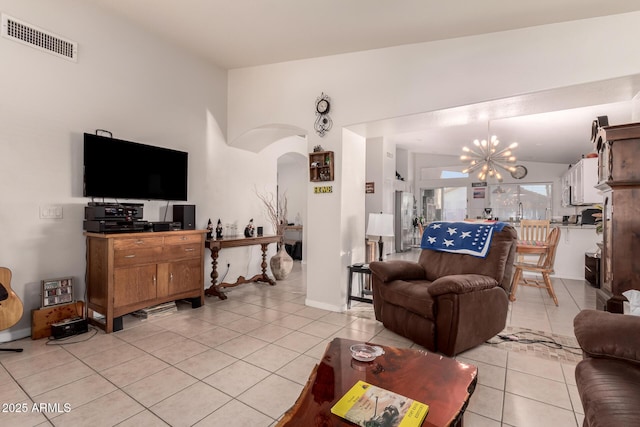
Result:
pixel 461 284
pixel 387 271
pixel 611 335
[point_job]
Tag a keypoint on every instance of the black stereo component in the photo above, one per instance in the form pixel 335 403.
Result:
pixel 113 211
pixel 69 327
pixel 165 226
pixel 185 214
pixel 114 226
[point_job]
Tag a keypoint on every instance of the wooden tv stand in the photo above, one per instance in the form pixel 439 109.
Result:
pixel 130 271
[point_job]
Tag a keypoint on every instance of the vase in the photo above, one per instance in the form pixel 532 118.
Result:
pixel 281 264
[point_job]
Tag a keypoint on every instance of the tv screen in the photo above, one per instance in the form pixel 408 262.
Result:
pixel 116 168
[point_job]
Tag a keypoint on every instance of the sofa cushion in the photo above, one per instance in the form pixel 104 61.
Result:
pixel 610 391
pixel 461 284
pixel 610 335
pixel 412 295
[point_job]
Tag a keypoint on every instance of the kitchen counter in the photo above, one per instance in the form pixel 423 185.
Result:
pixel 516 225
pixel 574 241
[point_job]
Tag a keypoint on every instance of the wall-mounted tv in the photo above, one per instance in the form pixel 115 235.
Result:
pixel 119 169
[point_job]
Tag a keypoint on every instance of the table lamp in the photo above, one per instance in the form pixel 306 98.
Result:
pixel 380 225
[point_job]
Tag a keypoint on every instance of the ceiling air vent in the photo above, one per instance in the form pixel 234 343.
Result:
pixel 33 36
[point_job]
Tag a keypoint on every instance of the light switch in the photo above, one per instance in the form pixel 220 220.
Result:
pixel 51 212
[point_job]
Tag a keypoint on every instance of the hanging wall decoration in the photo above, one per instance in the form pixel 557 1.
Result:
pixel 323 121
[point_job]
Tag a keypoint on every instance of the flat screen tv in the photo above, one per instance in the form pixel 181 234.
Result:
pixel 120 169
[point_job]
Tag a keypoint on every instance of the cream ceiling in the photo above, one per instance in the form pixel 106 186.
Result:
pixel 241 33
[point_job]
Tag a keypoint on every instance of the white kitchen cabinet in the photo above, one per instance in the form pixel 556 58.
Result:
pixel 584 177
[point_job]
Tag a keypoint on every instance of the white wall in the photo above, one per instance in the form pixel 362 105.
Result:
pixel 374 173
pixel 140 89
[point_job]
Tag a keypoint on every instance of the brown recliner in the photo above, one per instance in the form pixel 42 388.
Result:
pixel 608 378
pixel 447 302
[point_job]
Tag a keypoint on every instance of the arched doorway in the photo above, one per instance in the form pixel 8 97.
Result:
pixel 292 184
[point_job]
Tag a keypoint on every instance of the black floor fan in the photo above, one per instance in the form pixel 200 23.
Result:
pixel 10 305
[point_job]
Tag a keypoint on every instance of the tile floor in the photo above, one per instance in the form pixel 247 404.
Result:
pixel 244 361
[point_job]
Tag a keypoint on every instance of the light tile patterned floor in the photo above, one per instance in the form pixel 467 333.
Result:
pixel 244 361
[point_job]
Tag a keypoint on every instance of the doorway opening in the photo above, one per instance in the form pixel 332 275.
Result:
pixel 444 204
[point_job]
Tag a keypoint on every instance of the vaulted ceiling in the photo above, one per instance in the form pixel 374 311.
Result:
pixel 241 33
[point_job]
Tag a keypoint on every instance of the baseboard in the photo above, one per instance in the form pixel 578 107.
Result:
pixel 323 306
pixel 12 335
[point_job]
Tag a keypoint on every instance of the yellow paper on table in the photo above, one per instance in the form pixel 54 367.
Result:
pixel 368 405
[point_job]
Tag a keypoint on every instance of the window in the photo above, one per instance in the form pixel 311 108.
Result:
pixel 517 201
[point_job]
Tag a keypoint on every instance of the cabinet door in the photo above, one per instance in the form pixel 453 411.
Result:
pixel 184 276
pixel 566 189
pixel 606 267
pixel 134 284
pixel 577 185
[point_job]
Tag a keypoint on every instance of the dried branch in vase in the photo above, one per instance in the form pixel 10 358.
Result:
pixel 276 211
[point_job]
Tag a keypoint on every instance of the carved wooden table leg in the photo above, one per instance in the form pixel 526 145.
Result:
pixel 264 265
pixel 214 290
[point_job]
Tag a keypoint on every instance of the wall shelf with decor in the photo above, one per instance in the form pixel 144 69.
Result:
pixel 321 166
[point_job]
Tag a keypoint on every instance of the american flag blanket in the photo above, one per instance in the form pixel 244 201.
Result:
pixel 471 238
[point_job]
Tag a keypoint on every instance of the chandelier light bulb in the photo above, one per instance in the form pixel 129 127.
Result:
pixel 476 142
pixel 513 145
pixel 465 149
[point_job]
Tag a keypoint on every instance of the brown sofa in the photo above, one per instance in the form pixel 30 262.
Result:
pixel 447 302
pixel 608 378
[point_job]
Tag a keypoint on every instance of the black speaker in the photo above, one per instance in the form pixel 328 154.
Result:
pixel 185 214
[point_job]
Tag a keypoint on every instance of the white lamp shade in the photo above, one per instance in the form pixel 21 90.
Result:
pixel 380 224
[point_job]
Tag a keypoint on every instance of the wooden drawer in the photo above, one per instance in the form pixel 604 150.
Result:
pixel 137 243
pixel 181 239
pixel 171 252
pixel 129 257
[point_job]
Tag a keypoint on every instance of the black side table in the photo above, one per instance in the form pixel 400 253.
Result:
pixel 363 274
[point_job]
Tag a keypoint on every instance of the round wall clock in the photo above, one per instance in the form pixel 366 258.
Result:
pixel 323 106
pixel 323 121
pixel 520 172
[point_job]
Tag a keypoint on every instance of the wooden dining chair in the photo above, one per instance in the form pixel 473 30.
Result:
pixel 533 232
pixel 544 267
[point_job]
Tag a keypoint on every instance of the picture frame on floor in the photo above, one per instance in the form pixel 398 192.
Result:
pixel 57 291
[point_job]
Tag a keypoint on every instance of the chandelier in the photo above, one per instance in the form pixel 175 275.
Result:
pixel 486 158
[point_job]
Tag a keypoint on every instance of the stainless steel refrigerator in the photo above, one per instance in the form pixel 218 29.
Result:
pixel 404 221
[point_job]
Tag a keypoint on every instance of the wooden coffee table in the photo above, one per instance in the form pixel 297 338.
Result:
pixel 439 381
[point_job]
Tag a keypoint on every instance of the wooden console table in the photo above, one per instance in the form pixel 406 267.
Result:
pixel 234 242
pixel 130 271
